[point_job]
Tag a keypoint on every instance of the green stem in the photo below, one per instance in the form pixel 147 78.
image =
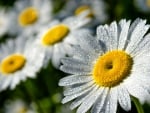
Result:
pixel 138 105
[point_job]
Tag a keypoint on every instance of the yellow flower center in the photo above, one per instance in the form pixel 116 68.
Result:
pixel 12 63
pixel 111 68
pixel 55 34
pixel 83 8
pixel 28 16
pixel 148 3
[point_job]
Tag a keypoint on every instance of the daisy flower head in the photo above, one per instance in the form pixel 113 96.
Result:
pixel 18 106
pixel 88 8
pixel 30 14
pixel 18 61
pixel 143 5
pixel 58 37
pixel 108 69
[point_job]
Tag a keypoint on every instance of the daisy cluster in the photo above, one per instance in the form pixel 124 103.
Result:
pixel 101 66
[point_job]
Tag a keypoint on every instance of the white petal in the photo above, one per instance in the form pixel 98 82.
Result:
pixel 86 105
pixel 82 54
pixel 67 49
pixel 82 98
pixel 15 81
pixel 57 55
pixel 113 33
pixel 73 61
pixel 137 36
pixel 124 98
pixel 76 22
pixel 137 91
pixel 74 90
pixel 143 46
pixel 80 70
pixel 5 82
pixel 123 38
pixel 99 104
pixel 88 42
pixel 71 97
pixel 102 34
pixel 74 79
pixel 111 101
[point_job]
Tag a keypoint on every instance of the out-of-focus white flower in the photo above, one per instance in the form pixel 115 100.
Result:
pixel 18 60
pixel 58 37
pixel 90 8
pixel 18 106
pixel 109 69
pixel 143 5
pixel 29 15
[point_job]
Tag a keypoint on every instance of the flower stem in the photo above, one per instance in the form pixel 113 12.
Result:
pixel 138 105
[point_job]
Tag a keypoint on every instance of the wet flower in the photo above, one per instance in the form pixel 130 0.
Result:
pixel 18 61
pixel 109 69
pixel 29 15
pixel 58 37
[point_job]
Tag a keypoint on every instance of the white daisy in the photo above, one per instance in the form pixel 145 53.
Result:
pixel 88 8
pixel 18 60
pixel 4 22
pixel 29 15
pixel 143 5
pixel 108 69
pixel 58 37
pixel 18 106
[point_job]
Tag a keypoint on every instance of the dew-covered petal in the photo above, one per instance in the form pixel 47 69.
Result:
pixel 110 105
pixel 99 104
pixel 113 34
pixel 71 97
pixel 133 25
pixel 143 47
pixel 82 54
pixel 141 66
pixel 137 36
pixel 88 42
pixel 142 80
pixel 71 91
pixel 86 104
pixel 136 90
pixel 82 98
pixel 102 34
pixel 79 70
pixel 72 61
pixel 123 38
pixel 74 79
pixel 124 98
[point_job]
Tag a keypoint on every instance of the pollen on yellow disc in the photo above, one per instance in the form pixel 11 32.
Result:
pixel 55 34
pixel 12 63
pixel 83 8
pixel 112 68
pixel 28 16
